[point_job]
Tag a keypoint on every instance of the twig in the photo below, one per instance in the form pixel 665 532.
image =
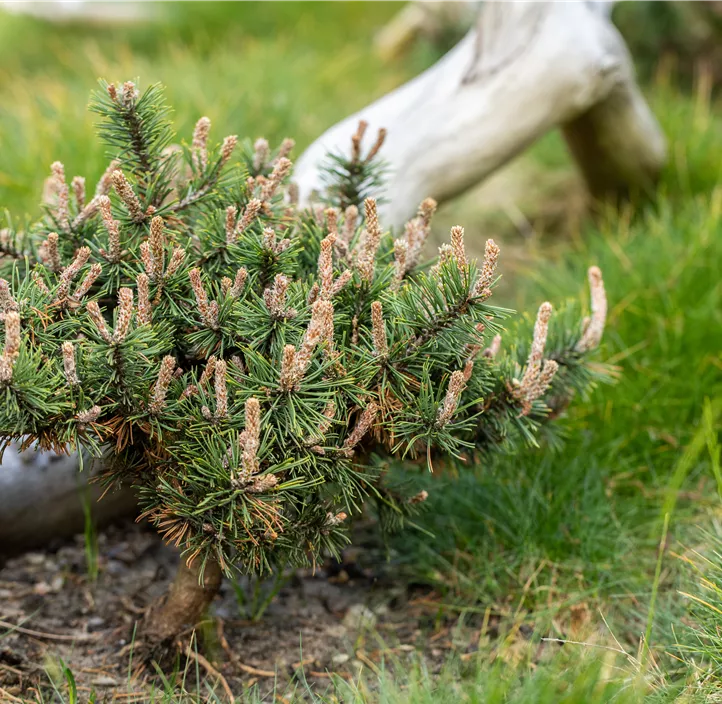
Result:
pixel 329 675
pixel 563 641
pixel 14 670
pixel 302 663
pixel 234 658
pixel 79 638
pixel 136 696
pixel 9 697
pixel 467 656
pixel 129 606
pixel 190 653
pixel 368 662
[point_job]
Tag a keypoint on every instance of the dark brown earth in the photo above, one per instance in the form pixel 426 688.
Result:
pixel 344 618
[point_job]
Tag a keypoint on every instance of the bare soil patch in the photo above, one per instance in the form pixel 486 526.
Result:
pixel 334 621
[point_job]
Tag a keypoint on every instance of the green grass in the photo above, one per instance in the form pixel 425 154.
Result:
pixel 90 540
pixel 238 63
pixel 539 539
pixel 537 535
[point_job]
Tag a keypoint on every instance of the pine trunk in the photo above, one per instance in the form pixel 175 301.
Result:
pixel 183 606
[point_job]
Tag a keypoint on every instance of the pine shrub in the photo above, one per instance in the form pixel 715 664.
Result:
pixel 250 365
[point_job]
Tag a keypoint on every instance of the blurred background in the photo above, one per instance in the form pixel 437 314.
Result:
pixel 256 69
pixel 295 68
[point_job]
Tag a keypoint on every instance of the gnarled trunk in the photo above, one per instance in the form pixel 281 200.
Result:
pixel 183 606
pixel 524 69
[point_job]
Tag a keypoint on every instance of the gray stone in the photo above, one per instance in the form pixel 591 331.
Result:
pixel 359 617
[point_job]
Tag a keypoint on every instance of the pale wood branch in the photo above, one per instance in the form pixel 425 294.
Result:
pixel 525 69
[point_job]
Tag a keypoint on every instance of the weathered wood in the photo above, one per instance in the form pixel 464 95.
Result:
pixel 42 495
pixel 431 19
pixel 525 69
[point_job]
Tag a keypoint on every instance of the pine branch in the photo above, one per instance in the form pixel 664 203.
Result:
pixel 350 180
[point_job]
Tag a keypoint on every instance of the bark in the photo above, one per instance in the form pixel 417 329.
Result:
pixel 183 606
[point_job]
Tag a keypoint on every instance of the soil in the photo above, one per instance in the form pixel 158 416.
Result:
pixel 339 620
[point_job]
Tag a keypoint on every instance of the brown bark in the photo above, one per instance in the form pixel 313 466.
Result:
pixel 183 606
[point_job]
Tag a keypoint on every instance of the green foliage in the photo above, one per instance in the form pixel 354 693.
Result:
pixel 207 54
pixel 350 179
pixel 584 523
pixel 138 131
pixel 250 366
pixel 587 512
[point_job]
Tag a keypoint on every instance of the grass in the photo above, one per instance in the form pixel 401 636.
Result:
pixel 613 539
pixel 254 597
pixel 238 64
pixel 90 541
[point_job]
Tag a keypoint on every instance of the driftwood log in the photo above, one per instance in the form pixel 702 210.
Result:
pixel 523 70
pixel 120 12
pixel 430 19
pixel 42 497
